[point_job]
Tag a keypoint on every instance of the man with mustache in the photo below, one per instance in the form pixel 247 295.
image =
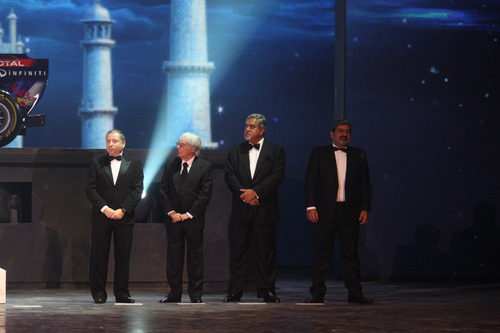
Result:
pixel 338 199
pixel 253 173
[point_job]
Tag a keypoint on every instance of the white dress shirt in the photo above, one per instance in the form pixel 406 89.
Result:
pixel 115 170
pixel 253 156
pixel 190 163
pixel 341 160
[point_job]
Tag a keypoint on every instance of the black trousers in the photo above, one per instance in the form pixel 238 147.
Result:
pixel 347 230
pixel 242 235
pixel 99 257
pixel 181 235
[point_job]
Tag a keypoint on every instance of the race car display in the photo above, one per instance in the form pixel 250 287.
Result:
pixel 22 83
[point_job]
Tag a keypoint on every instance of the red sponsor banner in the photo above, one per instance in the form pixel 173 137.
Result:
pixel 17 62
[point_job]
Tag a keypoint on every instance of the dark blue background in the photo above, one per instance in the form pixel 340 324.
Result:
pixel 423 83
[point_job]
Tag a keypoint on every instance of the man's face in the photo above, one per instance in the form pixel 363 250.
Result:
pixel 341 136
pixel 114 144
pixel 184 150
pixel 253 133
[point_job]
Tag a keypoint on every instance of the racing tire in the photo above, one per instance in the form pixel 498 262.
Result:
pixel 10 118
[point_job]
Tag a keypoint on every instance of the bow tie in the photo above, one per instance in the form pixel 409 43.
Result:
pixel 256 146
pixel 118 158
pixel 341 149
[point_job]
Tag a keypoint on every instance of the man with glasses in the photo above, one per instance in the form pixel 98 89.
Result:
pixel 186 189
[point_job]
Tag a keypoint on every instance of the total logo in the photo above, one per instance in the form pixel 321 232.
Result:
pixel 11 63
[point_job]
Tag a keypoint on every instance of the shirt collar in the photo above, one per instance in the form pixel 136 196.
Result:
pixel 334 145
pixel 116 161
pixel 189 162
pixel 261 141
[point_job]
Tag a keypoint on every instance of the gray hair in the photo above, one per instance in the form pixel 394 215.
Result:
pixel 193 140
pixel 117 131
pixel 260 119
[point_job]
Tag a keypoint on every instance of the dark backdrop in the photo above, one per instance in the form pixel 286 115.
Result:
pixel 422 94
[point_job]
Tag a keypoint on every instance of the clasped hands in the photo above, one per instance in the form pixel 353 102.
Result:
pixel 249 197
pixel 114 214
pixel 178 217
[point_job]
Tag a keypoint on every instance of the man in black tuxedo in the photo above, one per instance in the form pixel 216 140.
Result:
pixel 186 188
pixel 254 170
pixel 338 200
pixel 114 188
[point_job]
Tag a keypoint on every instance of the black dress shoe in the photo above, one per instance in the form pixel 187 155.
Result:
pixel 196 299
pixel 359 299
pixel 125 300
pixel 271 297
pixel 170 299
pixel 231 298
pixel 100 300
pixel 314 299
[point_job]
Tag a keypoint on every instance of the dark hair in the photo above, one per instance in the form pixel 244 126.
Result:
pixel 117 131
pixel 341 122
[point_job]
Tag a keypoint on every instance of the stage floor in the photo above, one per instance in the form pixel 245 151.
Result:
pixel 398 307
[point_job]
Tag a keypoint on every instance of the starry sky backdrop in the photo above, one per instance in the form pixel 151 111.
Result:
pixel 423 84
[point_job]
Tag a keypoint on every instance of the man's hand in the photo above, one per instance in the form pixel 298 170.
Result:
pixel 119 214
pixel 114 214
pixel 248 196
pixel 109 213
pixel 254 202
pixel 176 217
pixel 363 217
pixel 312 215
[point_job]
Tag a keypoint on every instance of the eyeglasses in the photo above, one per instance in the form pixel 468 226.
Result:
pixel 181 144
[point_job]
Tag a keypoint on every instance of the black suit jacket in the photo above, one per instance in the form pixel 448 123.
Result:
pixel 321 184
pixel 125 194
pixel 269 173
pixel 191 195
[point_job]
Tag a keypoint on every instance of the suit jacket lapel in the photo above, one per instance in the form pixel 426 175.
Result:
pixel 176 171
pixel 349 162
pixel 332 162
pixel 107 170
pixel 245 159
pixel 194 167
pixel 123 169
pixel 264 151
